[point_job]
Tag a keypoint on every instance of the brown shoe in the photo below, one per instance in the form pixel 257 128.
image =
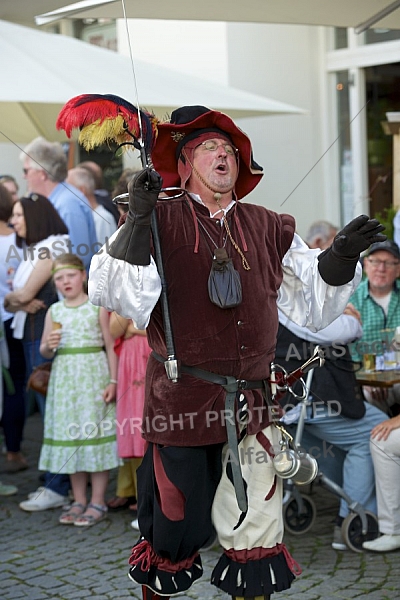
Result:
pixel 13 466
pixel 120 503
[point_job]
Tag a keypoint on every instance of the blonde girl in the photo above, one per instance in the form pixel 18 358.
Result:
pixel 79 429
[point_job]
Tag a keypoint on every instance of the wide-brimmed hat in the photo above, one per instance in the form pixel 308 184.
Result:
pixel 387 246
pixel 186 124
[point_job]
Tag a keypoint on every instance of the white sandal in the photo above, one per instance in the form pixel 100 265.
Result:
pixel 89 520
pixel 69 517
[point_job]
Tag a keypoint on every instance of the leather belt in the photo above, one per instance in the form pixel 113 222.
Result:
pixel 231 385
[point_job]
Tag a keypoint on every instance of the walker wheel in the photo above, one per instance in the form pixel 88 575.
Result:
pixel 352 530
pixel 297 522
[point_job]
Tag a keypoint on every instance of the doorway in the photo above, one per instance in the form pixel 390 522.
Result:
pixel 383 95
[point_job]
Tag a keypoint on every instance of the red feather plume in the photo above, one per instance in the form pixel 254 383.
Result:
pixel 105 118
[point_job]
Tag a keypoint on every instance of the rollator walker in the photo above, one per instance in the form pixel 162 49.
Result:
pixel 299 510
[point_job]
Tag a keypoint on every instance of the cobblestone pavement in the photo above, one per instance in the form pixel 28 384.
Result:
pixel 42 560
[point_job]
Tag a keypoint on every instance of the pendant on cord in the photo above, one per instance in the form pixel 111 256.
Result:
pixel 224 285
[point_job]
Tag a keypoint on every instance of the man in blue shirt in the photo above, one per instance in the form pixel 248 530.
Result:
pixel 45 170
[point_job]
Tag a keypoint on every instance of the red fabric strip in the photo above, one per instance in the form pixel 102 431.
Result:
pixel 144 553
pixel 265 443
pixel 243 556
pixel 242 238
pixel 171 499
pixel 271 491
pixel 148 594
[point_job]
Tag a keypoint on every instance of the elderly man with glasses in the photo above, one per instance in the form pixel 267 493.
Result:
pixel 45 168
pixel 378 301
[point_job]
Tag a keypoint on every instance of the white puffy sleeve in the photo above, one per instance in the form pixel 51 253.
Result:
pixel 304 296
pixel 343 330
pixel 131 290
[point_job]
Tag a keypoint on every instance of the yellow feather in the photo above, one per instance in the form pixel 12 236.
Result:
pixel 110 130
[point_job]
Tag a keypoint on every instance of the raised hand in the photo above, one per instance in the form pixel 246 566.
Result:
pixel 357 236
pixel 143 190
pixel 133 241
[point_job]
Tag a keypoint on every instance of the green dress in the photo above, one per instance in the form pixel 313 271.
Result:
pixel 79 427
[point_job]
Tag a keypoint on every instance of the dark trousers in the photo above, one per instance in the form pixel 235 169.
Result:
pixel 14 413
pixel 58 483
pixel 176 488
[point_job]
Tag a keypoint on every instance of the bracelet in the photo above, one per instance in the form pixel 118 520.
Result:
pixel 113 381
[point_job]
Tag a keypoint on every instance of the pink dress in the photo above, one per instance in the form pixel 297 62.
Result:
pixel 134 353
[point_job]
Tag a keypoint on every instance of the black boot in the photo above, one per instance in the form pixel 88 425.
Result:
pixel 148 594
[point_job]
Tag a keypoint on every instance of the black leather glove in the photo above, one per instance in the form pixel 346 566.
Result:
pixel 357 236
pixel 132 243
pixel 337 264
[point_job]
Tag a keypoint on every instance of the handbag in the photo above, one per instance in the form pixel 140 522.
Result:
pixel 39 378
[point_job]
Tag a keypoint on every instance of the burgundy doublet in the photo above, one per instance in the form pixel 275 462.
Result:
pixel 238 342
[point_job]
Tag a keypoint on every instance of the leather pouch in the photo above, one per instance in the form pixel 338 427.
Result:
pixel 224 285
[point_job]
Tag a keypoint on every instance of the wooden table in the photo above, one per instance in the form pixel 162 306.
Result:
pixel 378 378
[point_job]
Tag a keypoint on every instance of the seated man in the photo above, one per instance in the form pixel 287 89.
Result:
pixel 385 451
pixel 338 415
pixel 377 299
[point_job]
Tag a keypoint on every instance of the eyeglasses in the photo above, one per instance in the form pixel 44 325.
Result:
pixel 212 146
pixel 388 264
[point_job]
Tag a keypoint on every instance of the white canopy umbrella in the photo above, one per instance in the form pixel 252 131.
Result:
pixel 41 71
pixel 24 11
pixel 338 13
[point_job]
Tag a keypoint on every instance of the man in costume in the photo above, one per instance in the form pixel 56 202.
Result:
pixel 226 265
